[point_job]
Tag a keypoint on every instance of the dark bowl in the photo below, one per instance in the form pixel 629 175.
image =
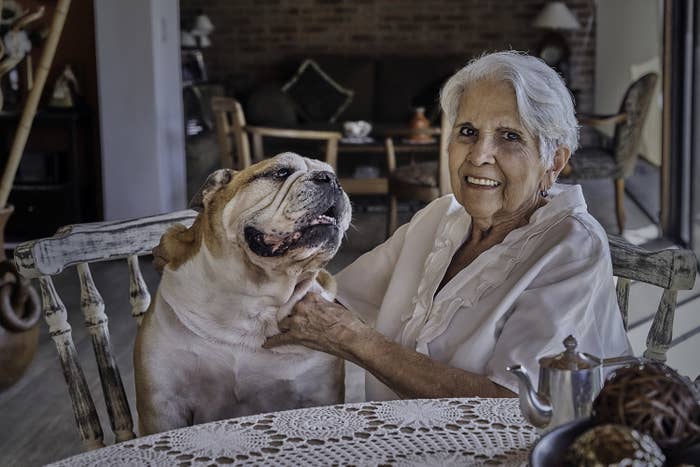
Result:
pixel 550 450
pixel 689 456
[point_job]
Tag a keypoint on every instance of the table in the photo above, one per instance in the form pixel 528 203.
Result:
pixel 380 185
pixel 405 432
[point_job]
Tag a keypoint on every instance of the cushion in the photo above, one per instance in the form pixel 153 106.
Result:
pixel 317 96
pixel 592 163
pixel 358 74
pixel 420 174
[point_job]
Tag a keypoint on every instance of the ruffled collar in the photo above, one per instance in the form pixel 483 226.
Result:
pixel 430 316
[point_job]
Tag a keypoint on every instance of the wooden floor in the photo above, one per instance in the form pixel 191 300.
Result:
pixel 36 419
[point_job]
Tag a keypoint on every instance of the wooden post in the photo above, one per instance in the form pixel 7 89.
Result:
pixel 25 123
pixel 93 308
pixel 661 332
pixel 60 331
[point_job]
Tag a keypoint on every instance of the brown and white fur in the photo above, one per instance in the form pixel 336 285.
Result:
pixel 255 249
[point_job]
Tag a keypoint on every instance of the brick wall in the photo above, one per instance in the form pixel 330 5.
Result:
pixel 251 36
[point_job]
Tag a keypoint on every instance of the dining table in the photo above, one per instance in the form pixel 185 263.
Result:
pixel 463 431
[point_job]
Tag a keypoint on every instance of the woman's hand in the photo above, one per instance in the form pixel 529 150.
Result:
pixel 320 325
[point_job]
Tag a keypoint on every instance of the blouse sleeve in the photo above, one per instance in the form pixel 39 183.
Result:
pixel 574 297
pixel 362 284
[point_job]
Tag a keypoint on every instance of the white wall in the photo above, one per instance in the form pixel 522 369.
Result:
pixel 629 34
pixel 138 67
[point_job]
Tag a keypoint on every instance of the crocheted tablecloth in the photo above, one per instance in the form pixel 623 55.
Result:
pixel 406 432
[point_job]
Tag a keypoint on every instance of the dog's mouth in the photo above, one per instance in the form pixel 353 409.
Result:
pixel 311 232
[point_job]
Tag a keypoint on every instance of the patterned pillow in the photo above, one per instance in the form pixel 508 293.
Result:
pixel 317 96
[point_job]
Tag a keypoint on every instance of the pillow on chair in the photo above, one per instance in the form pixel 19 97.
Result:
pixel 317 96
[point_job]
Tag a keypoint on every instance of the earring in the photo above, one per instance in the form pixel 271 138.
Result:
pixel 544 192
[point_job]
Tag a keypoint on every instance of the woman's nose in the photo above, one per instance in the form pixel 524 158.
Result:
pixel 483 152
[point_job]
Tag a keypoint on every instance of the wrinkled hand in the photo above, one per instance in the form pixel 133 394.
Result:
pixel 320 325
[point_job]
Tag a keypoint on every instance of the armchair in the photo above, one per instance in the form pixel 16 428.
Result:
pixel 617 159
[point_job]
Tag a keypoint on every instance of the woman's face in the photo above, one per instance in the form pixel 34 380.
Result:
pixel 495 166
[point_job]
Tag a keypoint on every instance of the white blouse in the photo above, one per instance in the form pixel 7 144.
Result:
pixel 515 303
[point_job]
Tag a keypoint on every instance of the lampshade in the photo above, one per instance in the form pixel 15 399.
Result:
pixel 556 15
pixel 202 25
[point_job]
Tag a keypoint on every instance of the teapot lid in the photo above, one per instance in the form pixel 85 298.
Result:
pixel 570 359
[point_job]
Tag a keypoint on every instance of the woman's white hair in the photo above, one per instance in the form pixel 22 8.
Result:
pixel 545 105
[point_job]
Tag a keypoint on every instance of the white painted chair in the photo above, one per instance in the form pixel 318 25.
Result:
pixel 80 245
pixel 670 269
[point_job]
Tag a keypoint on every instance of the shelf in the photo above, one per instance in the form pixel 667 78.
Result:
pixel 41 187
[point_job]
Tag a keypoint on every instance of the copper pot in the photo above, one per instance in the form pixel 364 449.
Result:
pixel 19 316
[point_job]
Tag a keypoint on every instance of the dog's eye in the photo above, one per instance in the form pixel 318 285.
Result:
pixel 281 174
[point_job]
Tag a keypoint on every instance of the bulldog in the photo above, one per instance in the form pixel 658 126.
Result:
pixel 257 246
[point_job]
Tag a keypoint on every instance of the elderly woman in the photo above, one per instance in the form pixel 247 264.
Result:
pixel 499 273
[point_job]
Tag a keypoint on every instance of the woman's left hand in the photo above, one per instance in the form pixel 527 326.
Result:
pixel 320 325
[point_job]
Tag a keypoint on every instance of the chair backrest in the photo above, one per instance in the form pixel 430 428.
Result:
pixel 230 125
pixel 79 245
pixel 670 269
pixel 635 106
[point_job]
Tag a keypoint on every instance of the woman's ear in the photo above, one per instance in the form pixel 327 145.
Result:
pixel 561 157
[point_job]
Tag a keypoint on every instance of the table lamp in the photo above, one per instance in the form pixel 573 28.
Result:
pixel 201 30
pixel 554 49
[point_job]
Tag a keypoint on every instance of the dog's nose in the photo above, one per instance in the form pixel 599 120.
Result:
pixel 324 176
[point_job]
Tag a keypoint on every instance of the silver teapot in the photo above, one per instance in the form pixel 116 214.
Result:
pixel 568 384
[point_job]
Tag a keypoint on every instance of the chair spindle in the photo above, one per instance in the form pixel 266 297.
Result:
pixel 96 322
pixel 139 297
pixel 623 297
pixel 60 331
pixel 661 332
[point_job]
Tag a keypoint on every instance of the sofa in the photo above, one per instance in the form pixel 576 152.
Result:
pixel 383 89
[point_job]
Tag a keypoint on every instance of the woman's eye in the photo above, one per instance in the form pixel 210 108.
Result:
pixel 281 174
pixel 467 131
pixel 512 136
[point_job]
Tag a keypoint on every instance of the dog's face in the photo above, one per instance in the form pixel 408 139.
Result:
pixel 282 211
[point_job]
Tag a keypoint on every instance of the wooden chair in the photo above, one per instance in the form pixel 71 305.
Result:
pixel 231 125
pixel 421 182
pixel 79 245
pixel 616 159
pixel 670 269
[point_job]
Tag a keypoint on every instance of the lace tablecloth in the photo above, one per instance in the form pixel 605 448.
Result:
pixel 409 432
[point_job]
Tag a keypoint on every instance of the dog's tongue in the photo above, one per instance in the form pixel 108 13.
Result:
pixel 276 241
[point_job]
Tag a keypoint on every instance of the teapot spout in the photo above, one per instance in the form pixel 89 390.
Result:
pixel 536 408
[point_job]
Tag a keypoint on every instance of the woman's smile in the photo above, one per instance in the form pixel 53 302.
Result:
pixel 481 183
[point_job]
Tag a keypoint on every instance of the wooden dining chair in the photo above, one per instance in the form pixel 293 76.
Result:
pixel 671 269
pixel 231 126
pixel 423 181
pixel 78 246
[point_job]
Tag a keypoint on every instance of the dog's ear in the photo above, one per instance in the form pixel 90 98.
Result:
pixel 214 182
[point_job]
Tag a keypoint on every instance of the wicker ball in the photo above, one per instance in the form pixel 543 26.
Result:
pixel 651 398
pixel 614 445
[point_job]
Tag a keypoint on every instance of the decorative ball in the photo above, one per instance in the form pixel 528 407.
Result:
pixel 653 399
pixel 614 445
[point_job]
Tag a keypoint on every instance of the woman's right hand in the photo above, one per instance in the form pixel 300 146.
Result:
pixel 318 324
